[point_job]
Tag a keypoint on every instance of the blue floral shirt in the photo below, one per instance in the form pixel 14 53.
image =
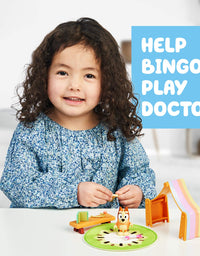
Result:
pixel 45 164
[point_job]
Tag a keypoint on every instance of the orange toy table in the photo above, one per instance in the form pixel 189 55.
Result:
pixel 93 220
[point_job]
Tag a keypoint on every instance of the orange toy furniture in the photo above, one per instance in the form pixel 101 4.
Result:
pixel 79 225
pixel 157 209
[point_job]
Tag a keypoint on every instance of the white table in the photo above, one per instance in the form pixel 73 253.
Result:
pixel 27 232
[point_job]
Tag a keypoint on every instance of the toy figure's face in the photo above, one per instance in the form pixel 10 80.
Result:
pixel 123 216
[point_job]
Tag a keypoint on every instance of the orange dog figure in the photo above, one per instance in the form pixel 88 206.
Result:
pixel 123 221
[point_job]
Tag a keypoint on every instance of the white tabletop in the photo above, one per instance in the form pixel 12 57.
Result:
pixel 27 232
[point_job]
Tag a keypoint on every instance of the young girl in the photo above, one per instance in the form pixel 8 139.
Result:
pixel 76 141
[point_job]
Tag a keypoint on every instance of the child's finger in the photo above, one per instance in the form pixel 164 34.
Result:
pixel 100 200
pixel 106 192
pixel 102 196
pixel 123 190
pixel 128 201
pixel 125 196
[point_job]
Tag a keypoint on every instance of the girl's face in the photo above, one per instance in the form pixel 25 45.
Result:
pixel 74 87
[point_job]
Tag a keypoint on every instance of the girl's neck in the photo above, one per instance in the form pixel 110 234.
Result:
pixel 75 123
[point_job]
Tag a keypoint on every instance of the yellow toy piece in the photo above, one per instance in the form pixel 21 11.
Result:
pixel 81 216
pixel 114 196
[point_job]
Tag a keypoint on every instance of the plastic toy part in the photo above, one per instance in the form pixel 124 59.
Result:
pixel 114 196
pixel 91 221
pixel 81 216
pixel 157 209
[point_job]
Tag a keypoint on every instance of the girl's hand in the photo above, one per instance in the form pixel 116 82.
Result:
pixel 91 194
pixel 130 196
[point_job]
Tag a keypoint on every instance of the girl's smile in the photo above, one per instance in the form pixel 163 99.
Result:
pixel 74 87
pixel 73 100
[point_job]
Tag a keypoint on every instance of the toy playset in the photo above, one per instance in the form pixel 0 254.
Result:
pixel 123 235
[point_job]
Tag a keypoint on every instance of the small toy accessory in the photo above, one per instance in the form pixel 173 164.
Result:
pixel 82 216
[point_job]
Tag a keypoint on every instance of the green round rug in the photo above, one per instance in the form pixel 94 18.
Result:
pixel 104 237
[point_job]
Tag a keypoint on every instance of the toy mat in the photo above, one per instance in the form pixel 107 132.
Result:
pixel 104 237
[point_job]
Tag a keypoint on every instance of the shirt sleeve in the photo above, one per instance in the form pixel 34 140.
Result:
pixel 27 182
pixel 134 170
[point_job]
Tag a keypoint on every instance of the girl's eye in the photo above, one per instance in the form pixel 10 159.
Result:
pixel 62 73
pixel 90 76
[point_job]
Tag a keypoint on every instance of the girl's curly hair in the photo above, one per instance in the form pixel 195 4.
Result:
pixel 117 107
